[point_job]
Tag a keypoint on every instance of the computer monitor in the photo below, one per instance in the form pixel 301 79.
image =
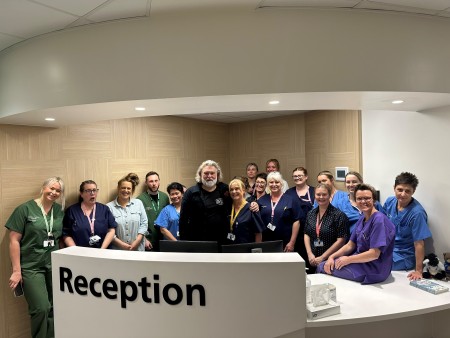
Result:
pixel 188 246
pixel 270 246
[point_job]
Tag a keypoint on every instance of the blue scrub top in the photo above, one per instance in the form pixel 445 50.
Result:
pixel 410 225
pixel 169 218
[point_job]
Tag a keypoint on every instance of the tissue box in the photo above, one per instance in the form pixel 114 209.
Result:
pixel 316 312
pixel 331 289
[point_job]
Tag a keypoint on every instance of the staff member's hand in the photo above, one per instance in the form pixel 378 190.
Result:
pixel 341 262
pixel 311 259
pixel 317 260
pixel 329 266
pixel 15 279
pixel 148 245
pixel 289 247
pixel 414 275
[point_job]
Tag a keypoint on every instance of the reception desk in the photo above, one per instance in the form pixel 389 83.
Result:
pixel 110 293
pixel 389 309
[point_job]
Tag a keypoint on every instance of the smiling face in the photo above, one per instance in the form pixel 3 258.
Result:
pixel 209 176
pixel 175 196
pixel 274 186
pixel 364 200
pixel 51 193
pixel 260 185
pixel 404 194
pixel 125 190
pixel 271 166
pixel 325 180
pixel 351 181
pixel 89 193
pixel 322 196
pixel 236 192
pixel 299 177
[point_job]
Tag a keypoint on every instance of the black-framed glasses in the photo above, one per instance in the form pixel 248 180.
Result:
pixel 295 177
pixel 91 191
pixel 363 199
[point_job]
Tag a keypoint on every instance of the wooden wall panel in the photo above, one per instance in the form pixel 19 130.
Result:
pixel 88 141
pixel 79 170
pixel 105 152
pixel 158 136
pixel 333 139
pixel 172 146
pixel 282 138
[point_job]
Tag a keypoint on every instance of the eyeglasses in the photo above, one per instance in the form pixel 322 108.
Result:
pixel 91 191
pixel 295 177
pixel 260 183
pixel 363 199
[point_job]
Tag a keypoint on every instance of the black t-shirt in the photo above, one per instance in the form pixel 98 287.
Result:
pixel 204 215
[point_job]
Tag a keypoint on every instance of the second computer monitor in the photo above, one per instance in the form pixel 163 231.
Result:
pixel 270 246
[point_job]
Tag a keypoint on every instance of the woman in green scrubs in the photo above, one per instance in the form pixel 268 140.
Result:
pixel 35 228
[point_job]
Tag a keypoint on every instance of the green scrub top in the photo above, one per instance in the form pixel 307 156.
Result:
pixel 27 219
pixel 152 210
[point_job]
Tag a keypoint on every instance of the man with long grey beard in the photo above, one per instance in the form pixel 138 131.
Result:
pixel 206 206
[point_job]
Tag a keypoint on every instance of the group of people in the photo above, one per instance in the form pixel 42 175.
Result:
pixel 40 226
pixel 345 234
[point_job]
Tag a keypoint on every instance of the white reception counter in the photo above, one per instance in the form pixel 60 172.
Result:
pixel 109 293
pixel 389 309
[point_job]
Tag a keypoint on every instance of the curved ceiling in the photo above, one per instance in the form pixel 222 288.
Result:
pixel 26 19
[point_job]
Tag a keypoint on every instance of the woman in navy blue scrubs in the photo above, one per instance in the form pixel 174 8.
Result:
pixel 281 214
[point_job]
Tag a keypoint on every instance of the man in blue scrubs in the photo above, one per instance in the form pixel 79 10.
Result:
pixel 411 225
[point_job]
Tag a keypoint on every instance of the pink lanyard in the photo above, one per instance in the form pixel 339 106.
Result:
pixel 274 205
pixel 91 221
pixel 319 222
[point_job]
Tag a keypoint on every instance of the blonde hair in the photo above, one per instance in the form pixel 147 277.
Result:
pixel 275 175
pixel 238 182
pixel 49 182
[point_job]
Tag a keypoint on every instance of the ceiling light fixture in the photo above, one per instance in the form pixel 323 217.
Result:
pixel 49 119
pixel 140 108
pixel 397 101
pixel 274 102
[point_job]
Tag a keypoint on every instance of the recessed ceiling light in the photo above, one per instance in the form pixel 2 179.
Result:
pixel 49 119
pixel 274 102
pixel 397 101
pixel 139 108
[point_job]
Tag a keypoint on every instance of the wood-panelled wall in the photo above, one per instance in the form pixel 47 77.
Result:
pixel 172 146
pixel 333 139
pixel 105 152
pixel 282 138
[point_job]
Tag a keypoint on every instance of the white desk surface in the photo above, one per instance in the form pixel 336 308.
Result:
pixel 181 257
pixel 392 299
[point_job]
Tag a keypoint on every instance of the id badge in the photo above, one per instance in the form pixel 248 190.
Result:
pixel 231 236
pixel 318 243
pixel 48 242
pixel 271 227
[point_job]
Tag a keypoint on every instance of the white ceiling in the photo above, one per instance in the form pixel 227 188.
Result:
pixel 24 19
